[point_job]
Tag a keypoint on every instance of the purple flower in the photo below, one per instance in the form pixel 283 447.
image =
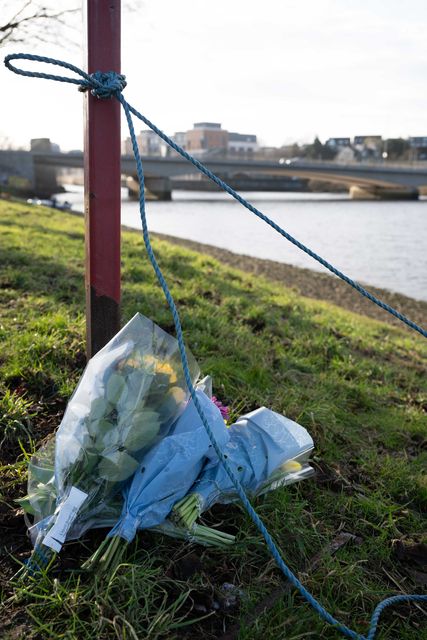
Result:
pixel 225 411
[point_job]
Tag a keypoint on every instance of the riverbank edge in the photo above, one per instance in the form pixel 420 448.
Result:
pixel 305 282
pixel 312 284
pixel 308 283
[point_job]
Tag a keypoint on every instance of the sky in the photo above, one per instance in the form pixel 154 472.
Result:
pixel 285 70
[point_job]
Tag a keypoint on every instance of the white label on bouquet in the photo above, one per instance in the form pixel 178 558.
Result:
pixel 64 519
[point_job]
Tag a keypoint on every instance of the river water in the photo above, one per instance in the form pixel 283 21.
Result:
pixel 375 242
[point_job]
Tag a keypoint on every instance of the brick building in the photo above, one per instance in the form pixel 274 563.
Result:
pixel 206 136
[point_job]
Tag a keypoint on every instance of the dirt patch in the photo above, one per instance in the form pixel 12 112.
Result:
pixel 410 552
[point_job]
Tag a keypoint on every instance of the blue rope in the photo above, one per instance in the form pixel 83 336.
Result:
pixel 110 84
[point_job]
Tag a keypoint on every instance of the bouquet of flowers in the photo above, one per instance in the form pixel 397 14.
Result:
pixel 266 450
pixel 131 393
pixel 132 452
pixel 175 461
pixel 164 476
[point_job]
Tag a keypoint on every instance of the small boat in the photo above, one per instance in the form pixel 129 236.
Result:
pixel 53 203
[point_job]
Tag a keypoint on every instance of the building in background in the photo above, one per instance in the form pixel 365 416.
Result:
pixel 180 137
pixel 126 147
pixel 373 141
pixel 368 147
pixel 418 145
pixel 336 143
pixel 242 144
pixel 149 143
pixel 206 137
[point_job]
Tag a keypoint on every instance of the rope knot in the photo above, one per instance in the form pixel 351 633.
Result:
pixel 105 84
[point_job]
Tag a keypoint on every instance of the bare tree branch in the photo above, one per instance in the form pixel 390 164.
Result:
pixel 32 20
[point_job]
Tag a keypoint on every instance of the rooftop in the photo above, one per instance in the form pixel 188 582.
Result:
pixel 207 125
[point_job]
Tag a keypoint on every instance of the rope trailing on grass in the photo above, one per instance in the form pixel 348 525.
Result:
pixel 110 84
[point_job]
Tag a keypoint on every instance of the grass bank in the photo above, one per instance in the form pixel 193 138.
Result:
pixel 313 284
pixel 357 384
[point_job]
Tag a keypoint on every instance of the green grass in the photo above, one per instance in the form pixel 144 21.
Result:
pixel 359 386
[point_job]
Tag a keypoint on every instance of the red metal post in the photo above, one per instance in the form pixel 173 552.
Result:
pixel 102 179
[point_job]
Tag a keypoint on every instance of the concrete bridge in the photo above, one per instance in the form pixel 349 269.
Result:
pixel 38 168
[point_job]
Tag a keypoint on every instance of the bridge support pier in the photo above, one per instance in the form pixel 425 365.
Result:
pixel 155 188
pixel 45 181
pixel 160 188
pixel 383 193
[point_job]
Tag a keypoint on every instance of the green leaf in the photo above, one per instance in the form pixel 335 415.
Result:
pixel 144 428
pixel 114 387
pixel 99 408
pixel 105 434
pixel 117 466
pixel 25 504
pixel 91 458
pixel 138 384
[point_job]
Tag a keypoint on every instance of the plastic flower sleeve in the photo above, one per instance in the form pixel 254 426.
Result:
pixel 170 468
pixel 262 447
pixel 127 400
pixel 40 501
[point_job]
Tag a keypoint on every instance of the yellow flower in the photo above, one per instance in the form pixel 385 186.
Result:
pixel 291 466
pixel 150 361
pixel 131 361
pixel 167 369
pixel 161 367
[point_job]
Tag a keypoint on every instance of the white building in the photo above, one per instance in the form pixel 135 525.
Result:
pixel 241 143
pixel 180 137
pixel 149 144
pixel 336 143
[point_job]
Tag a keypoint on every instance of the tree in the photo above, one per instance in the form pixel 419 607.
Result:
pixel 396 148
pixel 54 21
pixel 319 151
pixel 27 20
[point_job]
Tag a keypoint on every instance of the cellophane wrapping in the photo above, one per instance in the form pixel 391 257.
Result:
pixel 130 394
pixel 266 450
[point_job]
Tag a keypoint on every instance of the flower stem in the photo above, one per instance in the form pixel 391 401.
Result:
pixel 211 537
pixel 112 557
pixel 91 563
pixel 198 534
pixel 187 510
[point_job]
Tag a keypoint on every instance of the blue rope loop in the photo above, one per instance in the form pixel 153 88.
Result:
pixel 108 84
pixel 101 84
pixel 93 82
